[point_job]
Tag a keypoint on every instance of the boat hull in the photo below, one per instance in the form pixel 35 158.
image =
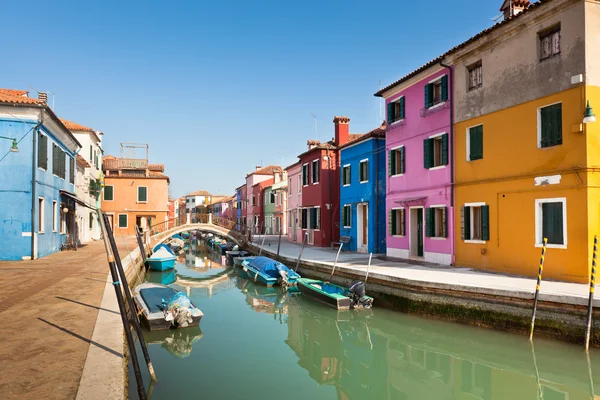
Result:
pixel 161 264
pixel 336 301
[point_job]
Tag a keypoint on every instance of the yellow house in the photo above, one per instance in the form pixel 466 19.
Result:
pixel 526 164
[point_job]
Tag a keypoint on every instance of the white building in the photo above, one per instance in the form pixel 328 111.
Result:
pixel 88 177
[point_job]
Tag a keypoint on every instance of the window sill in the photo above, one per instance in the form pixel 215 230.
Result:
pixel 346 185
pixel 142 202
pixel 475 241
pixel 552 246
pixel 398 236
pixel 438 238
pixel 472 89
pixel 363 182
pixel 474 159
pixel 437 167
pixel 397 175
pixel 315 183
pixel 399 121
pixel 437 105
pixel 347 227
pixel 41 232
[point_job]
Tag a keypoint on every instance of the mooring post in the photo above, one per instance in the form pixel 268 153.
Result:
pixel 301 250
pixel 122 310
pixel 278 245
pixel 130 304
pixel 591 299
pixel 537 287
pixel 263 241
pixel 537 373
pixel 138 236
pixel 368 267
pixel 336 260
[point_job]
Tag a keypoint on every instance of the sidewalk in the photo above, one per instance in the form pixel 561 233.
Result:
pixel 49 308
pixel 432 275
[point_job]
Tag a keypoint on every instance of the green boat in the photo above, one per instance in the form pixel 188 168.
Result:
pixel 335 295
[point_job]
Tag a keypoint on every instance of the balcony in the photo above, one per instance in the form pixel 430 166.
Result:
pixel 125 163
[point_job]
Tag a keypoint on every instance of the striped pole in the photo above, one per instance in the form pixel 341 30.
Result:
pixel 537 288
pixel 591 299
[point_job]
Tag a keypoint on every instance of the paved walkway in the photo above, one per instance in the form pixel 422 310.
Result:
pixel 434 275
pixel 48 308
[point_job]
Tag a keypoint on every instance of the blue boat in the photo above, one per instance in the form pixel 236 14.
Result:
pixel 177 237
pixel 185 235
pixel 267 271
pixel 162 259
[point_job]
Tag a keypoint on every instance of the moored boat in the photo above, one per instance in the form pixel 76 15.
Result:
pixel 335 295
pixel 163 307
pixel 268 272
pixel 162 259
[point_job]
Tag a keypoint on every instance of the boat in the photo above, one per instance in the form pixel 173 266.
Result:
pixel 268 272
pixel 162 260
pixel 163 307
pixel 177 236
pixel 185 235
pixel 335 295
pixel 163 246
pixel 164 277
pixel 233 254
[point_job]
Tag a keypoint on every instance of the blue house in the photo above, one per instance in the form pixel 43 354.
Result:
pixel 362 192
pixel 37 178
pixel 238 212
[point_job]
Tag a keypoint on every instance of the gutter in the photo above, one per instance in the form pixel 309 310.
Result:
pixel 451 141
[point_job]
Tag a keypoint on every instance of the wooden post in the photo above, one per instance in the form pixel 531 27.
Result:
pixel 336 260
pixel 278 245
pixel 138 236
pixel 116 284
pixel 301 250
pixel 537 288
pixel 368 267
pixel 591 298
pixel 263 241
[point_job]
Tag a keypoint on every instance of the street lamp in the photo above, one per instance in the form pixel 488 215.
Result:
pixel 589 114
pixel 14 147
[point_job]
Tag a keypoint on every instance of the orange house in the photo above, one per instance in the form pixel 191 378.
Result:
pixel 135 193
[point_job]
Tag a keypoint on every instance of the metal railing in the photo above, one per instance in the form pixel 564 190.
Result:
pixel 165 226
pixel 234 228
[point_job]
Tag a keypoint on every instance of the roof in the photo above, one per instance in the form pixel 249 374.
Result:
pixel 198 193
pixel 292 165
pixel 268 170
pixel 151 175
pixel 530 7
pixel 82 161
pixel 156 167
pixel 18 96
pixel 378 132
pixel 72 126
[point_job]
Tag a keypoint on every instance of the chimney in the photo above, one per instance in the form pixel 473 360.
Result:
pixel 43 96
pixel 341 130
pixel 258 167
pixel 510 8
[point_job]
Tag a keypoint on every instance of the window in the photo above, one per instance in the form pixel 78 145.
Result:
pixel 436 220
pixel 299 185
pixel 436 92
pixel 91 220
pixel 436 151
pixel 108 193
pixel 71 170
pixel 63 222
pixel 41 215
pixel 305 177
pixel 475 75
pixel 42 151
pixel 142 196
pixel 396 110
pixel 363 171
pixel 304 218
pixel 475 222
pixel 346 175
pixel 551 222
pixel 475 143
pixel 550 125
pixel 396 222
pixel 55 159
pixel 315 172
pixel 347 216
pixel 55 212
pixel 272 197
pixel 396 164
pixel 91 153
pixel 549 43
pixel 315 218
pixel 291 187
pixel 253 201
pixel 122 220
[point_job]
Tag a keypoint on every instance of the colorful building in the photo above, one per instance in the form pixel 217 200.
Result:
pixel 294 200
pixel 240 196
pixel 526 159
pixel 37 177
pixel 419 165
pixel 269 210
pixel 279 190
pixel 362 192
pixel 135 193
pixel 254 209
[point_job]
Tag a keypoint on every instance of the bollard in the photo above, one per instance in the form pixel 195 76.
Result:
pixel 591 299
pixel 537 287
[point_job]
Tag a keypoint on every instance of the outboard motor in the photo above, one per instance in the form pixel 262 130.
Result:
pixel 357 295
pixel 283 280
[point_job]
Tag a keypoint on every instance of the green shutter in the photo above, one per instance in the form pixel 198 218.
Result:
pixel 429 228
pixel 393 162
pixel 402 162
pixel 402 222
pixel 108 193
pixel 402 107
pixel 551 117
pixel 465 223
pixel 91 220
pixel 390 162
pixel 390 110
pixel 445 149
pixel 552 222
pixel 123 221
pixel 428 94
pixel 476 143
pixel 393 226
pixel 142 193
pixel 445 222
pixel 444 87
pixel 485 222
pixel 428 153
pixel 557 123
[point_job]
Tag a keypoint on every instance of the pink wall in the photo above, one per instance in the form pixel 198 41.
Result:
pixel 294 200
pixel 432 186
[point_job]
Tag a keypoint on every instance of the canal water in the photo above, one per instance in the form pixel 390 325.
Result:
pixel 261 343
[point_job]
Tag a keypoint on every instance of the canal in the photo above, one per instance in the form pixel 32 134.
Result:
pixel 260 343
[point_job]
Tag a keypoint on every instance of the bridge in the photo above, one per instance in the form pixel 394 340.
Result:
pixel 227 228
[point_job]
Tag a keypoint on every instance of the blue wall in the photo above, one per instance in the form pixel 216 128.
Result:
pixel 238 212
pixel 15 193
pixel 372 192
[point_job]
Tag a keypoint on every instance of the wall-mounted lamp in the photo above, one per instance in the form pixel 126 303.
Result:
pixel 65 210
pixel 14 147
pixel 589 114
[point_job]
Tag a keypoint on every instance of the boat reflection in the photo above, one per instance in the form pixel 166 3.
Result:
pixel 163 277
pixel 178 342
pixel 263 299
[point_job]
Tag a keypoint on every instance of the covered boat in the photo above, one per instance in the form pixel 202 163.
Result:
pixel 233 254
pixel 268 272
pixel 163 307
pixel 335 295
pixel 162 259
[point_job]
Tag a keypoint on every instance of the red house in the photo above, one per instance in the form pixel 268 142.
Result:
pixel 320 214
pixel 258 192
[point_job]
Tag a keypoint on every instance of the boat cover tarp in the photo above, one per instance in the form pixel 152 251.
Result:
pixel 269 267
pixel 162 253
pixel 153 297
pixel 162 246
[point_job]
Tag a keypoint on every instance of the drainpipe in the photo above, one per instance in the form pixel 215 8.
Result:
pixel 376 195
pixel 33 179
pixel 451 141
pixel 330 198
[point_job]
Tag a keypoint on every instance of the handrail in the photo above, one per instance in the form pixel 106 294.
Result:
pixel 241 231
pixel 165 226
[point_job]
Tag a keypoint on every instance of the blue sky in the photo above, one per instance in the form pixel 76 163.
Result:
pixel 217 87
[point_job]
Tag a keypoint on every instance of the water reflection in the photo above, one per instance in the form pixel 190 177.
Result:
pixel 178 342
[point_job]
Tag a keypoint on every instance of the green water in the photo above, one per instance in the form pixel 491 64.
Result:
pixel 259 343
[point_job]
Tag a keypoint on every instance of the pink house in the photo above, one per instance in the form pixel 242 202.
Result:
pixel 419 194
pixel 294 201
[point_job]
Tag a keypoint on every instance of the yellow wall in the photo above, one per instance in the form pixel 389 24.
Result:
pixel 504 179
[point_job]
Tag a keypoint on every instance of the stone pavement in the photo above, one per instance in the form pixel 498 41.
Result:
pixel 434 275
pixel 48 309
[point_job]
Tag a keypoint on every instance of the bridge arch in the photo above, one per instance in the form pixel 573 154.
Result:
pixel 234 236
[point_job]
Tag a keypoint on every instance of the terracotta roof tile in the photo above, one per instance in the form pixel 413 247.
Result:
pixel 72 126
pixel 198 193
pixel 377 132
pixel 156 167
pixel 268 170
pixel 17 96
pixel 82 161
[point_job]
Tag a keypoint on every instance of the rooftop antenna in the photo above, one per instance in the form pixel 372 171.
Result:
pixel 316 130
pixel 380 105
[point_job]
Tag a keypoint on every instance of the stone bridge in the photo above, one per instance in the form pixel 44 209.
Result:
pixel 224 228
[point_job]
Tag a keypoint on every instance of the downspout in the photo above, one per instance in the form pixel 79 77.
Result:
pixel 376 195
pixel 33 179
pixel 451 142
pixel 330 198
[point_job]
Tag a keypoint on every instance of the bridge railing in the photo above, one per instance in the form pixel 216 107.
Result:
pixel 197 218
pixel 233 226
pixel 165 226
